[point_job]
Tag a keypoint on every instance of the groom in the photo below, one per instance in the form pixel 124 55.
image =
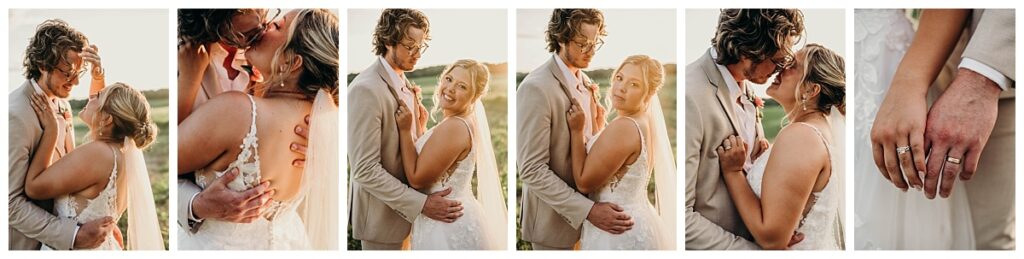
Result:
pixel 53 63
pixel 552 210
pixel 382 204
pixel 719 104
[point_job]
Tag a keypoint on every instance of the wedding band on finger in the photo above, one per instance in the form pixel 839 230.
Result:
pixel 903 149
pixel 953 160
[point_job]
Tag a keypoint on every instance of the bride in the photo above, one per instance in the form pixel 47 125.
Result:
pixel 297 58
pixel 104 177
pixel 891 62
pixel 797 183
pixel 446 157
pixel 616 165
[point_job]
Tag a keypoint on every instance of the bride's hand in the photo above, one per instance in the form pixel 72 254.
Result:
pixel 44 112
pixel 403 117
pixel 897 137
pixel 732 154
pixel 575 117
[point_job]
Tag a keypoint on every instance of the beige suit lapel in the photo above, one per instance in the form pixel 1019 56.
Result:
pixel 722 93
pixel 562 82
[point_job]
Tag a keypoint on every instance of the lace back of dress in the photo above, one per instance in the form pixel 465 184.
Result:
pixel 820 219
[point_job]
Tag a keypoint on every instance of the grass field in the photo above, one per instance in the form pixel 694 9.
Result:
pixel 667 95
pixel 495 103
pixel 156 155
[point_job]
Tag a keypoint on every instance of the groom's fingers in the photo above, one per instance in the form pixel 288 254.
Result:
pixel 970 163
pixel 950 171
pixel 936 158
pixel 892 167
pixel 616 207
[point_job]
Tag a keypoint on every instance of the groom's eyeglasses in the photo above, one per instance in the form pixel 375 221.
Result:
pixel 246 39
pixel 415 49
pixel 783 64
pixel 588 46
pixel 69 76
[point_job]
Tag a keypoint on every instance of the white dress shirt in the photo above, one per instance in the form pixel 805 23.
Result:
pixel 745 111
pixel 582 94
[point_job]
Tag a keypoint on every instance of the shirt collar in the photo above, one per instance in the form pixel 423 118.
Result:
pixel 733 86
pixel 574 79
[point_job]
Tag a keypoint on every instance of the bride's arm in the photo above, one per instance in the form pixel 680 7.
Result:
pixel 933 43
pixel 593 170
pixel 88 165
pixel 451 138
pixel 786 185
pixel 212 130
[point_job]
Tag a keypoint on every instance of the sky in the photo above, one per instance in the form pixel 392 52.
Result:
pixel 133 44
pixel 480 34
pixel 822 26
pixel 630 31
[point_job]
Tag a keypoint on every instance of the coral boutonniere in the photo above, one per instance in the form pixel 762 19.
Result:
pixel 758 103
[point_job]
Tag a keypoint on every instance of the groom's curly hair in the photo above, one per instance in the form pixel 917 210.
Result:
pixel 756 34
pixel 46 50
pixel 565 24
pixel 392 25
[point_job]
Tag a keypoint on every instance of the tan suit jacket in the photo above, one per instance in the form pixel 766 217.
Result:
pixel 382 206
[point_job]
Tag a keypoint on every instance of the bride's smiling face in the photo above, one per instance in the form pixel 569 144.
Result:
pixel 783 89
pixel 92 109
pixel 261 54
pixel 628 93
pixel 456 91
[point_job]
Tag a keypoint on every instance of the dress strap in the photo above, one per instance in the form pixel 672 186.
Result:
pixel 643 140
pixel 468 127
pixel 113 173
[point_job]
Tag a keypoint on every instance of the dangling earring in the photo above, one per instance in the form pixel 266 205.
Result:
pixel 803 102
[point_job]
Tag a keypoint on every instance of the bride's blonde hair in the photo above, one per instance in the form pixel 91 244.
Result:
pixel 479 76
pixel 827 69
pixel 313 35
pixel 129 114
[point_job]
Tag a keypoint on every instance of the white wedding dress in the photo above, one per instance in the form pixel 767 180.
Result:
pixel 467 232
pixel 630 193
pixel 820 226
pixel 279 227
pixel 84 210
pixel 885 217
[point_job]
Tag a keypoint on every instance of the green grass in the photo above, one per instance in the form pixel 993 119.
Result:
pixel 772 121
pixel 156 155
pixel 495 103
pixel 667 95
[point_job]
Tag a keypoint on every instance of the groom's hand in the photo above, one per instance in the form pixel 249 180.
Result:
pixel 92 233
pixel 795 239
pixel 441 209
pixel 958 128
pixel 219 202
pixel 610 217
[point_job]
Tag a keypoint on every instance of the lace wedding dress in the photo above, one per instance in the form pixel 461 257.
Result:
pixel 885 217
pixel 279 227
pixel 467 232
pixel 84 210
pixel 630 193
pixel 820 225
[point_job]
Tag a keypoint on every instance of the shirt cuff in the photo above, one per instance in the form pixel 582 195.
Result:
pixel 987 71
pixel 75 236
pixel 191 215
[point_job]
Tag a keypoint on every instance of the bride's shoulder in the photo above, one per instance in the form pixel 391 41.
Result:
pixel 798 138
pixel 622 130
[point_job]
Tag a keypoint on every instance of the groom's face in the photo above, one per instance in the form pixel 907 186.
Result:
pixel 579 51
pixel 59 81
pixel 407 52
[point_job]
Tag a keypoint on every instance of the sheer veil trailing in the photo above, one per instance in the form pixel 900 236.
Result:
pixel 837 124
pixel 488 190
pixel 664 172
pixel 319 210
pixel 143 227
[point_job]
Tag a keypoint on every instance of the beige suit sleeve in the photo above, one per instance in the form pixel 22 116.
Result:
pixel 186 190
pixel 533 126
pixel 993 41
pixel 23 215
pixel 701 233
pixel 364 132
